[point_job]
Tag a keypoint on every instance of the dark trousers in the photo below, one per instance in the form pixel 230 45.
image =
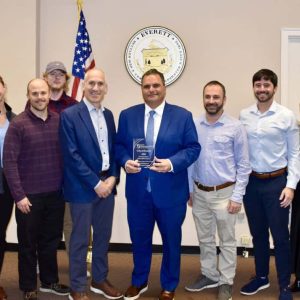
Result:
pixel 99 215
pixel 295 233
pixel 39 233
pixel 141 219
pixel 6 207
pixel 263 211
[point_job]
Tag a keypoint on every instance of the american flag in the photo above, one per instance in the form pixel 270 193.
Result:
pixel 83 59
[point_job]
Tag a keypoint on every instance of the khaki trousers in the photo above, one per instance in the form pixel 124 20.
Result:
pixel 210 214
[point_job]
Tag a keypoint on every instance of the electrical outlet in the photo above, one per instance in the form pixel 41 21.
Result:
pixel 245 254
pixel 245 240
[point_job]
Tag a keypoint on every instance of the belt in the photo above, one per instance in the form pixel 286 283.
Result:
pixel 268 175
pixel 213 188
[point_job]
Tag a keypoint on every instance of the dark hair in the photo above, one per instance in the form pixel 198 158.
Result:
pixel 154 72
pixel 2 81
pixel 215 82
pixel 265 74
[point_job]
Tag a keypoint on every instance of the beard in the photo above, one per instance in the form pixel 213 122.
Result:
pixel 263 97
pixel 213 109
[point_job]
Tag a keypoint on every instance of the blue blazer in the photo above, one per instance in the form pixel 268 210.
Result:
pixel 177 140
pixel 81 152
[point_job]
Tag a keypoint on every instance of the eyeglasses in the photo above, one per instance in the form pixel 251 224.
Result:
pixel 57 74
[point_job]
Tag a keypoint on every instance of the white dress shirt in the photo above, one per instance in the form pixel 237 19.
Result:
pixel 157 121
pixel 273 138
pixel 100 127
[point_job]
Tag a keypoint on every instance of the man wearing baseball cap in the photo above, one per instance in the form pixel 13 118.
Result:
pixel 57 78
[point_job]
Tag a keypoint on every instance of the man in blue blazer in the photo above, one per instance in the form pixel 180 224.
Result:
pixel 158 193
pixel 87 133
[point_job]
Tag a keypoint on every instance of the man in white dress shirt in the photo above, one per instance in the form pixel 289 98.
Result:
pixel 273 138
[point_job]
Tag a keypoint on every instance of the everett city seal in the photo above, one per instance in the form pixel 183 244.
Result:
pixel 158 48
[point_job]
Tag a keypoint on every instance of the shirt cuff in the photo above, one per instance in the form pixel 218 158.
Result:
pixel 236 198
pixel 98 184
pixel 172 169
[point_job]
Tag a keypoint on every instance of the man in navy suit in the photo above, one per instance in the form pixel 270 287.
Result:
pixel 159 193
pixel 87 133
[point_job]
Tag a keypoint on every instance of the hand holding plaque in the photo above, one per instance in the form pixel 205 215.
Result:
pixel 143 153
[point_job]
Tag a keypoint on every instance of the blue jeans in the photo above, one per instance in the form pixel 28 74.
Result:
pixel 263 211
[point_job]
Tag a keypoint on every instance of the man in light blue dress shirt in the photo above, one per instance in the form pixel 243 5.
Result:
pixel 273 138
pixel 217 182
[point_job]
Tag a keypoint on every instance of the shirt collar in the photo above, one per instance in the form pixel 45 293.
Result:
pixel 273 108
pixel 219 122
pixel 32 115
pixel 158 110
pixel 91 107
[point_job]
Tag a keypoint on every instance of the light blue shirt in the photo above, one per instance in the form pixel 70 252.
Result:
pixel 273 138
pixel 100 127
pixel 3 130
pixel 224 155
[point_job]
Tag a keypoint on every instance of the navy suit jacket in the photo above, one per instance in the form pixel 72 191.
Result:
pixel 177 140
pixel 81 152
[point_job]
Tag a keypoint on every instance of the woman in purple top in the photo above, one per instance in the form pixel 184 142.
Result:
pixel 6 200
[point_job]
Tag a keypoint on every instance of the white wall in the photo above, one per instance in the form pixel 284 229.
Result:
pixel 225 40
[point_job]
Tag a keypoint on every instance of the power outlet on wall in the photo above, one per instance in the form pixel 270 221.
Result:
pixel 245 240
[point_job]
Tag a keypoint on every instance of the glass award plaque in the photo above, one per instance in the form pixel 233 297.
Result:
pixel 143 153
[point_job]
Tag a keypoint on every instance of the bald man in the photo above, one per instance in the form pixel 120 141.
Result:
pixel 33 168
pixel 87 135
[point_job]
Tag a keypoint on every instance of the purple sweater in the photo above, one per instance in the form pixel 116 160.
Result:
pixel 32 156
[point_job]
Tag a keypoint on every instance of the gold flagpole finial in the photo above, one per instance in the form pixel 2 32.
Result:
pixel 79 6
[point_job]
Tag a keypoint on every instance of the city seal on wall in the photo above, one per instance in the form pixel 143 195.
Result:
pixel 158 48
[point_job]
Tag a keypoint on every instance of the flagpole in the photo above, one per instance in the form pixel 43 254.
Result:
pixel 90 247
pixel 83 56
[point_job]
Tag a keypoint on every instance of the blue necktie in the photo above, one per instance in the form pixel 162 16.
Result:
pixel 150 129
pixel 150 138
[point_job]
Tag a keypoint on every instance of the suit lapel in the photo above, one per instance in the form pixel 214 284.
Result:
pixel 140 119
pixel 87 121
pixel 108 125
pixel 164 125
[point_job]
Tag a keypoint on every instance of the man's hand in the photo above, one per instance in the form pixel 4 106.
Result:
pixel 286 197
pixel 24 205
pixel 190 201
pixel 234 207
pixel 161 165
pixel 111 181
pixel 103 190
pixel 132 166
